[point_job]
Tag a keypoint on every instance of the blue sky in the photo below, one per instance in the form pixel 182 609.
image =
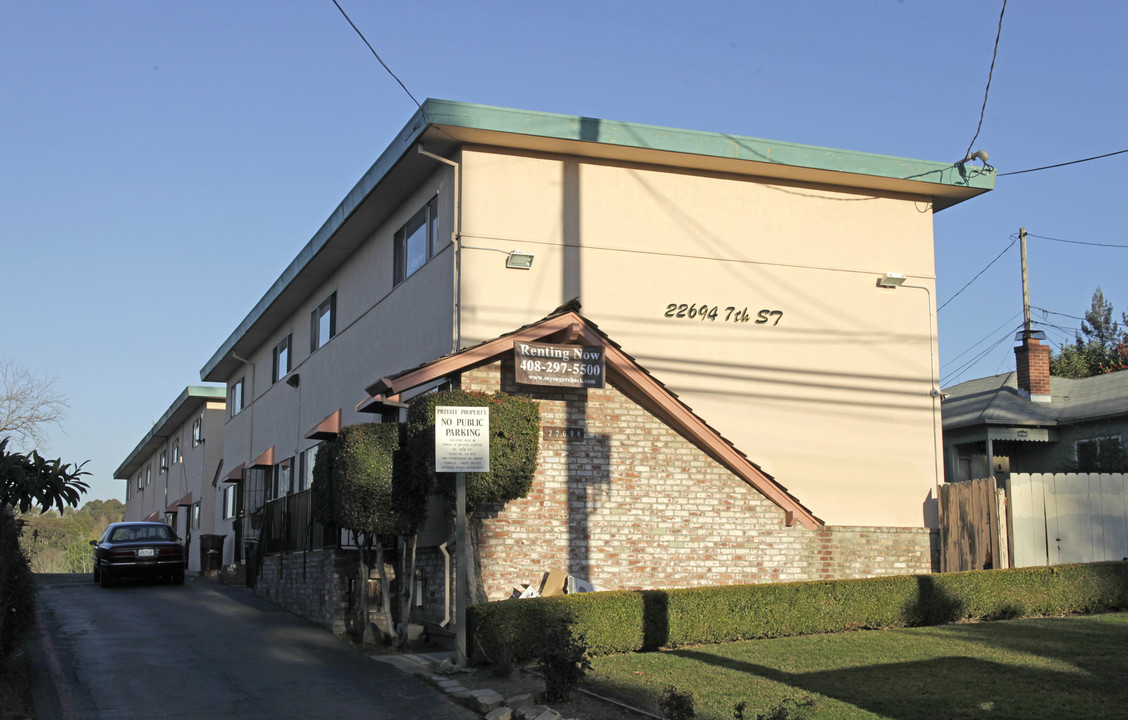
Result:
pixel 163 162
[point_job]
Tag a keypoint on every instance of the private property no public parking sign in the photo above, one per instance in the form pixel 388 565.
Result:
pixel 462 439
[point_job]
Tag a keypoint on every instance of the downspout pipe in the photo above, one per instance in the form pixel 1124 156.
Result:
pixel 456 241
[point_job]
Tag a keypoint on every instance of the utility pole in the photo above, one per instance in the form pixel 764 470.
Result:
pixel 1026 326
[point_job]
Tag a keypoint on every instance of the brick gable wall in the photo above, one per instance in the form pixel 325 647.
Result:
pixel 634 505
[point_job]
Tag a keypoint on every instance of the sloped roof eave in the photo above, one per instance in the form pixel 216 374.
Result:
pixel 633 380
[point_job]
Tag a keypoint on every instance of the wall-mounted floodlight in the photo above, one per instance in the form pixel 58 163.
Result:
pixel 518 260
pixel 294 380
pixel 891 280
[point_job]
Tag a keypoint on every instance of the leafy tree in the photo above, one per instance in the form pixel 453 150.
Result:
pixel 27 480
pixel 1100 346
pixel 514 441
pixel 357 486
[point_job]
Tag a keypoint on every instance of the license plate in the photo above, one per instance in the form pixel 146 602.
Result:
pixel 146 552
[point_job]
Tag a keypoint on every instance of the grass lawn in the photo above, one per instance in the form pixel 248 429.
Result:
pixel 1071 667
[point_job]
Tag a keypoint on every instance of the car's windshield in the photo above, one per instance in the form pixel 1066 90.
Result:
pixel 140 533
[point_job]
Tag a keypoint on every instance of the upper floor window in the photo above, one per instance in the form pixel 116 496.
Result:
pixel 416 242
pixel 281 360
pixel 176 451
pixel 163 465
pixel 148 474
pixel 235 397
pixel 197 431
pixel 323 323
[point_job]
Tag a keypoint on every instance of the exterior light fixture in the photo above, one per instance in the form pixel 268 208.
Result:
pixel 518 260
pixel 891 280
pixel 294 380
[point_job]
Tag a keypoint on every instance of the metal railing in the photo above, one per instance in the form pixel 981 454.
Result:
pixel 288 526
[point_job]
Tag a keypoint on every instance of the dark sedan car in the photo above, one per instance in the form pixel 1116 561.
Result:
pixel 138 549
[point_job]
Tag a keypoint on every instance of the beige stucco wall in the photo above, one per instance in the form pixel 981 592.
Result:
pixel 381 329
pixel 192 474
pixel 833 401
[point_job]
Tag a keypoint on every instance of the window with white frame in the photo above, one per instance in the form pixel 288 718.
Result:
pixel 140 480
pixel 323 323
pixel 281 364
pixel 229 495
pixel 305 467
pixel 162 466
pixel 416 242
pixel 1103 454
pixel 235 397
pixel 197 431
pixel 176 451
pixel 196 515
pixel 148 474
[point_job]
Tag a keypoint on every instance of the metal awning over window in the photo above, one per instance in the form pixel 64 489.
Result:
pixel 327 429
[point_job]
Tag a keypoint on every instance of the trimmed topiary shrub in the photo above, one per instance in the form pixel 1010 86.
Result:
pixel 514 440
pixel 628 621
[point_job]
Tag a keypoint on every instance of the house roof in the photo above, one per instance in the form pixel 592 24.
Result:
pixel 193 397
pixel 566 325
pixel 995 400
pixel 442 126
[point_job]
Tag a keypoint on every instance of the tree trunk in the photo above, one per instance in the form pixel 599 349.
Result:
pixel 476 589
pixel 407 591
pixel 385 590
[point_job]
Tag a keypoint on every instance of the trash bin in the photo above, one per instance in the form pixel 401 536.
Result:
pixel 211 553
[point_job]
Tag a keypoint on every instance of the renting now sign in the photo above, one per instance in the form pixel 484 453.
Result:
pixel 574 366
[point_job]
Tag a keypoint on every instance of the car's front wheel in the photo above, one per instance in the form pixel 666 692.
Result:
pixel 104 579
pixel 178 577
pixel 97 574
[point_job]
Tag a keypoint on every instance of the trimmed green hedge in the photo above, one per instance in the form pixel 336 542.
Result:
pixel 629 621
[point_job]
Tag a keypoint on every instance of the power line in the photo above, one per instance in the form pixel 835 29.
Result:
pixel 1078 242
pixel 970 363
pixel 982 339
pixel 1051 312
pixel 994 53
pixel 1014 239
pixel 1071 162
pixel 377 55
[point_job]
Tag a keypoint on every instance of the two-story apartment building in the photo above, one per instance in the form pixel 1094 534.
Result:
pixel 773 287
pixel 170 475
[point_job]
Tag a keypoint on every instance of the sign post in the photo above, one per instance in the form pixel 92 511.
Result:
pixel 462 445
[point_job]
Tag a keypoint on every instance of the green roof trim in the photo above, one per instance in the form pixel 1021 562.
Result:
pixel 693 142
pixel 193 397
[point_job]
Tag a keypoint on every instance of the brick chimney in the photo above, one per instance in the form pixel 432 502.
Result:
pixel 1032 361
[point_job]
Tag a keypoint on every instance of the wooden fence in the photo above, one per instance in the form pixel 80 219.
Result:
pixel 973 526
pixel 1068 518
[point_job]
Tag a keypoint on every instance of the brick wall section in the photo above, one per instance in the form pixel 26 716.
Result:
pixel 311 584
pixel 634 505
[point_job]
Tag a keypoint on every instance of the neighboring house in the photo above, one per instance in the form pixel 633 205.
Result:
pixel 1029 422
pixel 170 475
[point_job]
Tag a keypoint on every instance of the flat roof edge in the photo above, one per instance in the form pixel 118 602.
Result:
pixel 697 142
pixel 193 394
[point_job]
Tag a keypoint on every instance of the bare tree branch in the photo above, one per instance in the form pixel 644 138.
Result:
pixel 28 404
